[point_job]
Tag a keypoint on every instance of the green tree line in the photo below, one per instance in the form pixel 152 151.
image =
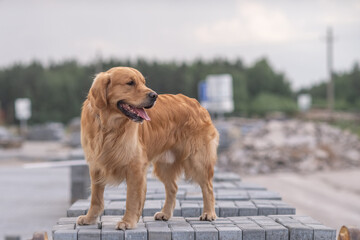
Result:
pixel 346 91
pixel 57 90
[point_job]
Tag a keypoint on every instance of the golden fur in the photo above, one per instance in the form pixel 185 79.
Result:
pixel 179 138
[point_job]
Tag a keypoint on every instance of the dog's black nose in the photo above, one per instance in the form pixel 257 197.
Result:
pixel 153 95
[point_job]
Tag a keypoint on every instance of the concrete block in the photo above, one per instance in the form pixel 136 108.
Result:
pixel 65 235
pixel 322 232
pixel 266 209
pixel 115 208
pixel 226 177
pixel 67 220
pixel 229 233
pixel 227 208
pixel 63 227
pixel 285 210
pixel 298 231
pixel 111 218
pixel 246 208
pixel 108 234
pixel 206 233
pixel 136 234
pixel 92 226
pixel 109 225
pixel 249 186
pixel 306 220
pixel 156 233
pixel 151 207
pixel 252 232
pixel 190 209
pixel 89 234
pixel 156 224
pixel 240 220
pixel 276 232
pixel 255 194
pixel 182 233
pixel 77 211
pixel 232 195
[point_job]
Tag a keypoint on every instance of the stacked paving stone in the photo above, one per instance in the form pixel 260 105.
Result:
pixel 245 211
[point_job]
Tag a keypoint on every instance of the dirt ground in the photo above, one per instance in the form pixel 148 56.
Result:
pixel 332 197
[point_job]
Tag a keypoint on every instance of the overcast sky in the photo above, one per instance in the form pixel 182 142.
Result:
pixel 291 34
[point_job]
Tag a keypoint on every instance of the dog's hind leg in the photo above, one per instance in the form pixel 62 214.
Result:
pixel 168 174
pixel 199 167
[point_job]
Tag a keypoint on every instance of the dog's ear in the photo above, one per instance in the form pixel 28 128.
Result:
pixel 98 91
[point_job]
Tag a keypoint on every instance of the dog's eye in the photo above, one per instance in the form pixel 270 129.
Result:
pixel 131 83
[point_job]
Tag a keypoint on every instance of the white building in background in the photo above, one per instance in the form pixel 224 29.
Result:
pixel 216 93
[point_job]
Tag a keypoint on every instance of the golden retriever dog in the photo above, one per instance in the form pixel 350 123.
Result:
pixel 123 131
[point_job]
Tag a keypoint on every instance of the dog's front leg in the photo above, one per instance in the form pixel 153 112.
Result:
pixel 135 196
pixel 97 201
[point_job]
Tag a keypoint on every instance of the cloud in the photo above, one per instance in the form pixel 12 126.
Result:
pixel 254 23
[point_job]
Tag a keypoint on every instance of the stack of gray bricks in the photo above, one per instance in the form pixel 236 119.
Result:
pixel 245 211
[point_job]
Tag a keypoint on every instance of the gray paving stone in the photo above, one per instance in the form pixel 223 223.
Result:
pixel 151 207
pixel 136 234
pixel 305 219
pixel 65 235
pixel 227 208
pixel 239 206
pixel 298 231
pixel 226 176
pixel 76 211
pixel 156 233
pixel 92 226
pixel 89 234
pixel 190 209
pixel 182 233
pixel 246 208
pixel 67 220
pixel 249 186
pixel 252 232
pixel 239 219
pixel 229 233
pixel 111 218
pixel 266 209
pixel 70 226
pixel 276 232
pixel 115 208
pixel 206 233
pixel 285 210
pixel 108 234
pixel 322 232
pixel 255 194
pixel 109 225
pixel 156 224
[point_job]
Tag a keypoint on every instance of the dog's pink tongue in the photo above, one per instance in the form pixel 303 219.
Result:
pixel 141 112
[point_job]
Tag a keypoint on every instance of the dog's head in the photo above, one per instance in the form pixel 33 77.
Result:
pixel 123 91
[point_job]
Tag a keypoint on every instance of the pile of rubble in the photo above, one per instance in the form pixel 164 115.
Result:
pixel 289 145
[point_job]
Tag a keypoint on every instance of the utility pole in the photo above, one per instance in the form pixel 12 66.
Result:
pixel 329 57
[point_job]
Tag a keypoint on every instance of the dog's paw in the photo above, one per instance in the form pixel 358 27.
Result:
pixel 122 225
pixel 85 220
pixel 162 216
pixel 208 216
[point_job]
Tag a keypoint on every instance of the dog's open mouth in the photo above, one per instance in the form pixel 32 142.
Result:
pixel 134 113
